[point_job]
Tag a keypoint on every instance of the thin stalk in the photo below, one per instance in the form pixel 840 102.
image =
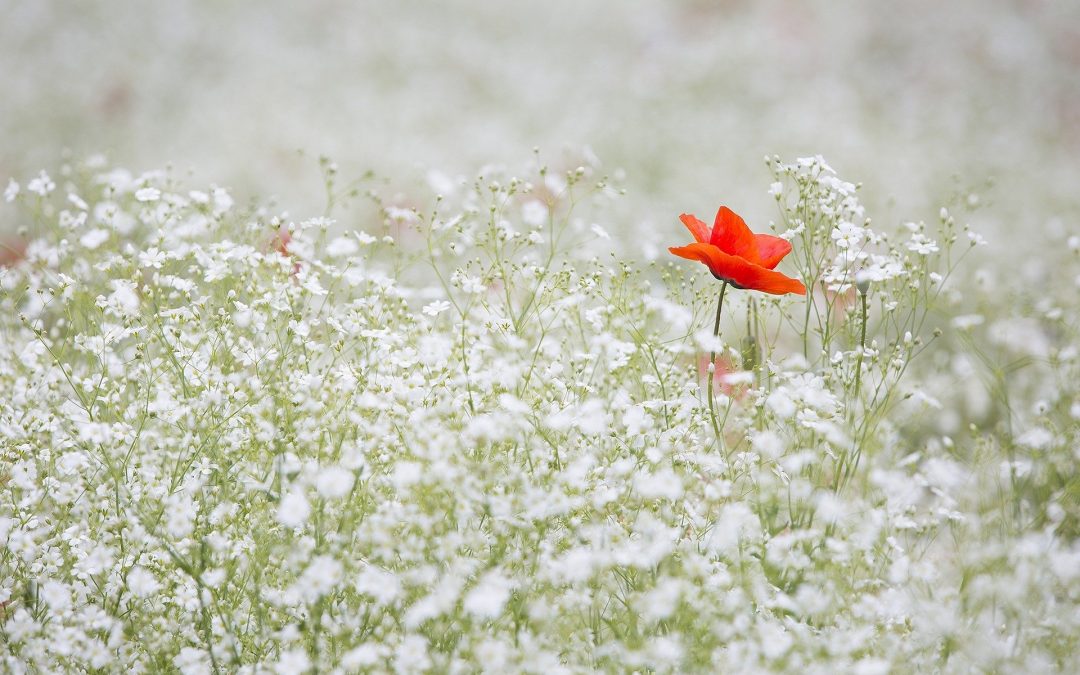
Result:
pixel 711 370
pixel 862 346
pixel 847 464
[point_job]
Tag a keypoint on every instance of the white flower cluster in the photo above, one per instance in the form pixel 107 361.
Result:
pixel 458 442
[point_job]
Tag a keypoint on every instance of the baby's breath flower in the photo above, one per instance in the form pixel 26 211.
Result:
pixel 225 451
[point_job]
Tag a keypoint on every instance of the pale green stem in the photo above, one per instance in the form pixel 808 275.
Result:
pixel 711 370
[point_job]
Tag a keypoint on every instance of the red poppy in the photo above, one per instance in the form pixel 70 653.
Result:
pixel 738 256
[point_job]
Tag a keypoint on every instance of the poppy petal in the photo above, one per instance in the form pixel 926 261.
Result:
pixel 697 227
pixel 739 271
pixel 731 235
pixel 772 249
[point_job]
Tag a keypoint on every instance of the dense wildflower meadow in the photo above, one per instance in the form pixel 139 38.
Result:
pixel 474 427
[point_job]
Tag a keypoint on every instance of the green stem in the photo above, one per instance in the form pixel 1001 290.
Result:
pixel 848 463
pixel 711 370
pixel 862 346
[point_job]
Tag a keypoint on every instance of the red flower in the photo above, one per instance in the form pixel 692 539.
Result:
pixel 738 256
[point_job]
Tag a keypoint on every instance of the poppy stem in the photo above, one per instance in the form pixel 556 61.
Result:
pixel 712 364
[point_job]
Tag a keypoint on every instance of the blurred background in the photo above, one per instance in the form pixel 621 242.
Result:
pixel 920 100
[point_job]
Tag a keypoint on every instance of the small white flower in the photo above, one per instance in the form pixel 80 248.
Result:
pixel 968 321
pixel 11 191
pixel 42 185
pixel 534 212
pixel 78 202
pixel 436 308
pixel 192 661
pixel 487 599
pixel 141 582
pixel 152 257
pixel 124 297
pixel 343 247
pixel 922 244
pixel 223 201
pixel 148 194
pixel 301 328
pixel 364 656
pixel 334 482
pixel 664 484
pixel 294 509
pixel 91 239
pixel 56 595
pixel 402 216
pixel 293 662
pixel 320 578
pixel 406 474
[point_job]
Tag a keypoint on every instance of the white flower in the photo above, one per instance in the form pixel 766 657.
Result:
pixel 223 201
pixel 637 420
pixel 780 403
pixel 364 656
pixel 192 661
pixel 534 212
pixel 1036 439
pixel 487 599
pixel 436 308
pixel 42 185
pixel 922 244
pixel 294 509
pixel 125 297
pixel 141 582
pixel 381 585
pixel 91 239
pixel 848 235
pixel 56 595
pixel 152 257
pixel 402 216
pixel 293 662
pixel 968 321
pixel 664 484
pixel 78 202
pixel 411 655
pixel 320 578
pixel 11 191
pixel 148 194
pixel 406 474
pixel 334 482
pixel 343 247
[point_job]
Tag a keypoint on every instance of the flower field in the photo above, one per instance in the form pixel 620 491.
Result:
pixel 500 410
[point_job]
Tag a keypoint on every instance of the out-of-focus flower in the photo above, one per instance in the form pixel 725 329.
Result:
pixel 734 382
pixel 281 243
pixel 738 256
pixel 12 251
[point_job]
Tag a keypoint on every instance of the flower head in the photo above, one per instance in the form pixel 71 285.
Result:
pixel 738 256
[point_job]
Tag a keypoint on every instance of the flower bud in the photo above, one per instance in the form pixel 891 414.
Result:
pixel 862 281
